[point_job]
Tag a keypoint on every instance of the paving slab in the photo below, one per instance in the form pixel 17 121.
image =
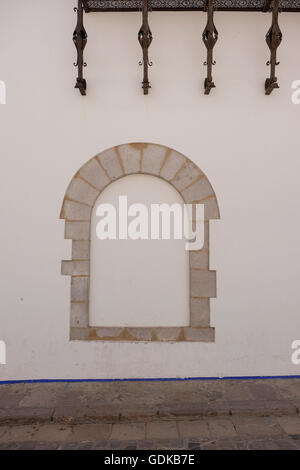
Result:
pixel 162 430
pixel 264 391
pixel 91 432
pixel 221 428
pixel 19 433
pixel 52 433
pixel 3 430
pixel 196 428
pixel 126 431
pixel 290 424
pixel 256 426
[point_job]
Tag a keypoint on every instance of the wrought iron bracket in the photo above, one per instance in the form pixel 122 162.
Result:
pixel 145 40
pixel 210 37
pixel 80 41
pixel 273 40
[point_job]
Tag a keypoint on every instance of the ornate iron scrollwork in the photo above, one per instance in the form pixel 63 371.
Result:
pixel 210 37
pixel 80 41
pixel 273 39
pixel 86 6
pixel 145 39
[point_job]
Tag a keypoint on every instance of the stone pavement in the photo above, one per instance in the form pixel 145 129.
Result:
pixel 117 401
pixel 230 433
pixel 222 414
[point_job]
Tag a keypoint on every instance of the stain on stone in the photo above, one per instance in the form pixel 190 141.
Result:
pixel 154 336
pixel 181 336
pixel 92 335
pixel 139 145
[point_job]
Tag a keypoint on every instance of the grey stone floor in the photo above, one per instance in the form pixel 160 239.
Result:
pixel 229 414
pixel 114 401
pixel 239 433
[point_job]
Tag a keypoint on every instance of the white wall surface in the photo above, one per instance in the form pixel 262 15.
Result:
pixel 138 282
pixel 246 143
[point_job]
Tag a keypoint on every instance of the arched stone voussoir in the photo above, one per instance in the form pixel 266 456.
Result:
pixel 200 191
pixel 153 157
pixel 80 191
pixel 84 188
pixel 131 157
pixel 145 158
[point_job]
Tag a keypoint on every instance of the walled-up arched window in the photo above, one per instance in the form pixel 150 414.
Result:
pixel 80 201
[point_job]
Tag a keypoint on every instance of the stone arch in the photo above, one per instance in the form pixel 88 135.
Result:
pixel 81 195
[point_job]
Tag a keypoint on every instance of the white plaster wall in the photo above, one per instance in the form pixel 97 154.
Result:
pixel 246 143
pixel 138 282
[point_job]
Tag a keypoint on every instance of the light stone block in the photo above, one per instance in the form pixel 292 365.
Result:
pixel 110 332
pixel 167 333
pixel 81 250
pixel 131 158
pixel 199 260
pixel 186 176
pixel 197 191
pixel 94 174
pixel 173 164
pixel 75 268
pixel 80 288
pixel 77 230
pixel 80 191
pixel 79 333
pixel 200 312
pixel 153 158
pixel 206 237
pixel 203 283
pixel 110 162
pixel 211 209
pixel 199 334
pixel 79 314
pixel 76 211
pixel 141 333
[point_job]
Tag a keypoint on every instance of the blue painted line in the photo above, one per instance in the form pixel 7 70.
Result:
pixel 171 379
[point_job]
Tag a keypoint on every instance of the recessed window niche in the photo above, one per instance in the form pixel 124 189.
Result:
pixel 141 282
pixel 173 305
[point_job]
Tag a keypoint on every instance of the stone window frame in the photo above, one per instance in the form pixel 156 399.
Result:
pixel 82 193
